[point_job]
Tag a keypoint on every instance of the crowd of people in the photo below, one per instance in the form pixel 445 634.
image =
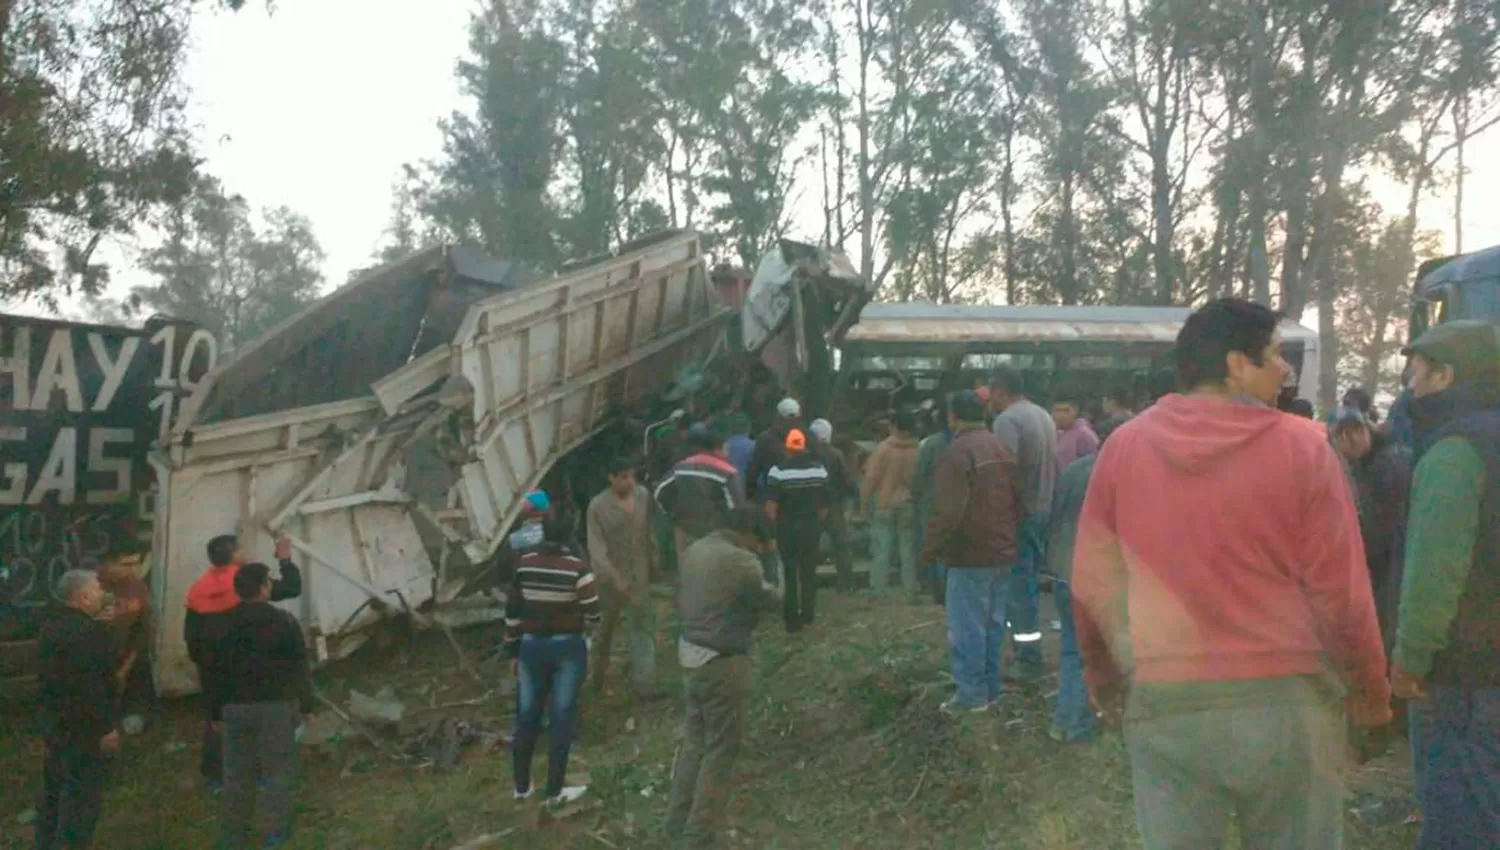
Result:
pixel 1236 588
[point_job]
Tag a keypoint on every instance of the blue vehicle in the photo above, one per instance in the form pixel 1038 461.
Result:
pixel 1466 286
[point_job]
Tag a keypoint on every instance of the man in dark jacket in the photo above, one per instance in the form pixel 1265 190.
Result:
pixel 841 488
pixel 210 601
pixel 264 689
pixel 1448 637
pixel 797 500
pixel 1381 472
pixel 1073 719
pixel 78 703
pixel 723 591
pixel 974 531
pixel 770 447
pixel 701 490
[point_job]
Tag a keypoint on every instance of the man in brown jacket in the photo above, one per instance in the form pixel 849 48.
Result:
pixel 622 555
pixel 886 499
pixel 973 532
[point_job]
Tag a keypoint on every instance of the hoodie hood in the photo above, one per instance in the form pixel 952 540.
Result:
pixel 213 593
pixel 1193 433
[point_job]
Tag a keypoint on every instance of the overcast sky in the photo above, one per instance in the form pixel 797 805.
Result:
pixel 316 105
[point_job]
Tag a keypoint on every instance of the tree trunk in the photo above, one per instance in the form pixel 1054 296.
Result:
pixel 1461 134
pixel 1261 117
pixel 1007 219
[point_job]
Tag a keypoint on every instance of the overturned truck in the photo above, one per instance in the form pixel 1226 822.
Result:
pixel 391 430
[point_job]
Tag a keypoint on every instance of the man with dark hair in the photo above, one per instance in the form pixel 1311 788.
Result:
pixel 1381 473
pixel 1073 719
pixel 701 490
pixel 131 624
pixel 264 691
pixel 1358 398
pixel 623 558
pixel 886 499
pixel 722 593
pixel 78 708
pixel 740 447
pixel 210 601
pixel 797 500
pixel 928 451
pixel 551 607
pixel 1075 436
pixel 978 490
pixel 1218 560
pixel 1301 407
pixel 1119 405
pixel 1448 635
pixel 1031 435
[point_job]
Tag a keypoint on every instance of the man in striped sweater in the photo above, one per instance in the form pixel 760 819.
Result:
pixel 551 608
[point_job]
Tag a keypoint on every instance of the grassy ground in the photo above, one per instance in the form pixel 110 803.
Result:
pixel 845 750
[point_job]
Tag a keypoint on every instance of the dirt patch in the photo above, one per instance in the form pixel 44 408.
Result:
pixel 845 749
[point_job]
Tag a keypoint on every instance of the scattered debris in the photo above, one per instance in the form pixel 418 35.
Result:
pixel 174 748
pixel 489 839
pixel 325 729
pixel 381 710
pixel 442 742
pixel 365 733
pixel 630 724
pixel 26 817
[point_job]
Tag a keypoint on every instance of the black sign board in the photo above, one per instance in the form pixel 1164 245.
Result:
pixel 80 406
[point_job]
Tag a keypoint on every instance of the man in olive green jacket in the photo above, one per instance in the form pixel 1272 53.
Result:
pixel 1448 631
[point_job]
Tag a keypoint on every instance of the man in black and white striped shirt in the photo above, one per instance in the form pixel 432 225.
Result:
pixel 797 499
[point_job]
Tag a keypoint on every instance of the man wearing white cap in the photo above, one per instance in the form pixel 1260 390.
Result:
pixel 770 447
pixel 841 488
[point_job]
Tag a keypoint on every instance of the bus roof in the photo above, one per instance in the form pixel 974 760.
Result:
pixel 1461 269
pixel 918 322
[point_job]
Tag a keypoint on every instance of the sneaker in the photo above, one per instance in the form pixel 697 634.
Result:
pixel 569 794
pixel 1057 734
pixel 522 795
pixel 954 708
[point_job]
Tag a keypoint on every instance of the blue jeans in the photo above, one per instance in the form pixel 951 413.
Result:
pixel 551 672
pixel 1460 741
pixel 976 631
pixel 1021 603
pixel 1074 715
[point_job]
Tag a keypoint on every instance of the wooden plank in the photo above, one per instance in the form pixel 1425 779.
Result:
pixel 354 500
pixel 317 480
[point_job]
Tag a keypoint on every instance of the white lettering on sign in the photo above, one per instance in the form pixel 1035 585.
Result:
pixel 59 372
pixel 60 472
pixel 12 475
pixel 17 364
pixel 113 369
pixel 99 463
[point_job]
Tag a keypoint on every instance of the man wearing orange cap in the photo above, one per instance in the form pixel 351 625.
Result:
pixel 797 500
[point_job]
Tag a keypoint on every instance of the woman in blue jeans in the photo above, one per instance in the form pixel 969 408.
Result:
pixel 553 604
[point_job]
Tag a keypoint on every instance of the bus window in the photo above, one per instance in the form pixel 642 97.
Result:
pixel 990 362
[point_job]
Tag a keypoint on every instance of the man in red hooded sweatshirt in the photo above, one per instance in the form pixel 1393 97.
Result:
pixel 1222 601
pixel 209 603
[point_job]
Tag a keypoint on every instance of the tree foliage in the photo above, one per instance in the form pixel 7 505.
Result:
pixel 1068 151
pixel 235 273
pixel 92 134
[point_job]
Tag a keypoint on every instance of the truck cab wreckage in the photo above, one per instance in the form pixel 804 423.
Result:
pixel 392 430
